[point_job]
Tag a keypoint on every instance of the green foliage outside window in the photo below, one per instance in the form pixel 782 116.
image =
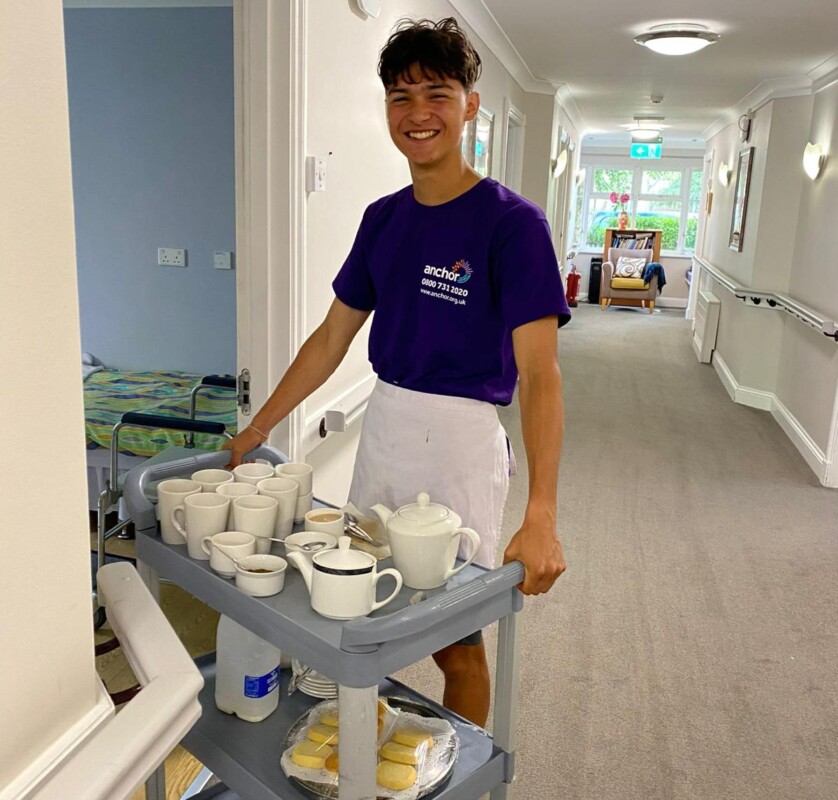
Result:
pixel 612 180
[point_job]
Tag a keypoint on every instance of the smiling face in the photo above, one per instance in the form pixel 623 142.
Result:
pixel 426 114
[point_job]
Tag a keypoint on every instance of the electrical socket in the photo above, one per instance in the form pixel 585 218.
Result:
pixel 171 257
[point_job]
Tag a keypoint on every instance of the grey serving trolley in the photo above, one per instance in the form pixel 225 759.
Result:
pixel 358 655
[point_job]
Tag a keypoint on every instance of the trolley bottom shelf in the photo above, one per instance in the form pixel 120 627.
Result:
pixel 246 755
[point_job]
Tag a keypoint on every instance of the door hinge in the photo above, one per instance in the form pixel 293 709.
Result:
pixel 243 392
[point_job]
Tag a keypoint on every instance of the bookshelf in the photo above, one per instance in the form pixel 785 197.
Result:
pixel 633 238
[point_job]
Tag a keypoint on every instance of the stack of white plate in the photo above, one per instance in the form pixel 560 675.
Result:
pixel 313 683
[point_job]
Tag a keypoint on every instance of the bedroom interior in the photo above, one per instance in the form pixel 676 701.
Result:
pixel 151 132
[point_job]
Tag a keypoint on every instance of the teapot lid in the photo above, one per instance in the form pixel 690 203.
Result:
pixel 423 511
pixel 343 561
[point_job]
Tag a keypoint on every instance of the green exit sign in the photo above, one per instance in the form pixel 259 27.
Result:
pixel 646 150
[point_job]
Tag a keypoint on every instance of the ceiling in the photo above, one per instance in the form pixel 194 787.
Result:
pixel 588 47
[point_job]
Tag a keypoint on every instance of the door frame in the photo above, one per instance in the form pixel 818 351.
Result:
pixel 270 113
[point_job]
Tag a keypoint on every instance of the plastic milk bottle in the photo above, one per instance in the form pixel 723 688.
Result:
pixel 247 673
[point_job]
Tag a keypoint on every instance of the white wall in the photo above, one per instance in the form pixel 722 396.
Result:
pixel 808 372
pixel 788 249
pixel 47 676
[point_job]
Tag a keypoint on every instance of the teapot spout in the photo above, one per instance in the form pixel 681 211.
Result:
pixel 302 563
pixel 382 512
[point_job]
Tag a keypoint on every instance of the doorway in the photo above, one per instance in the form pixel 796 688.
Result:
pixel 151 98
pixel 513 146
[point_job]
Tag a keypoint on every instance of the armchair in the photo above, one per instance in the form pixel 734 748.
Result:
pixel 626 291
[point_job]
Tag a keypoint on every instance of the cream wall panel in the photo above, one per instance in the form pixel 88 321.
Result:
pixel 808 372
pixel 45 690
pixel 781 189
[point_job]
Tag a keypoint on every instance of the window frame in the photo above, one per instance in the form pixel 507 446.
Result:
pixel 685 165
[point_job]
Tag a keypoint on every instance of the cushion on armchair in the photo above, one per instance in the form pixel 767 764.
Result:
pixel 628 283
pixel 629 267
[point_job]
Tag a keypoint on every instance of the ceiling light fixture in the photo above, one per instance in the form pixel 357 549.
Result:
pixel 813 159
pixel 645 134
pixel 677 38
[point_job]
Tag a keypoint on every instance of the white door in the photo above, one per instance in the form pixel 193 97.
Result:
pixel 513 146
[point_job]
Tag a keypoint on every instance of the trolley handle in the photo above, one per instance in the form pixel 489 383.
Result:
pixel 418 618
pixel 173 423
pixel 221 381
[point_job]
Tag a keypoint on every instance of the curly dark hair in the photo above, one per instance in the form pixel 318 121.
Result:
pixel 440 49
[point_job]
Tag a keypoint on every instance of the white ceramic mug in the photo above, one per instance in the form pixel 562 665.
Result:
pixel 199 516
pixel 426 560
pixel 256 514
pixel 302 507
pixel 325 520
pixel 284 491
pixel 211 479
pixel 294 542
pixel 253 473
pixel 234 490
pixel 171 493
pixel 297 471
pixel 224 549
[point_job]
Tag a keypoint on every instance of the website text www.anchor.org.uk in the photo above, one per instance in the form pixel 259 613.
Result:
pixel 460 301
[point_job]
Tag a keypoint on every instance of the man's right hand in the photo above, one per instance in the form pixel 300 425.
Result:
pixel 241 445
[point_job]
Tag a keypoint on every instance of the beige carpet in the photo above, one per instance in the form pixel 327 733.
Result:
pixel 690 651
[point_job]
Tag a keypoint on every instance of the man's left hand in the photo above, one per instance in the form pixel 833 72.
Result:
pixel 537 547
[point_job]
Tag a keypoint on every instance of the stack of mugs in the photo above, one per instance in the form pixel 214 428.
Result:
pixel 224 517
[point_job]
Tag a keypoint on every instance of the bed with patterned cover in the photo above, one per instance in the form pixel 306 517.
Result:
pixel 110 393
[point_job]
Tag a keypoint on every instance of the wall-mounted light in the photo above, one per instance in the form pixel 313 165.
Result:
pixel 580 176
pixel 725 173
pixel 560 164
pixel 372 8
pixel 813 159
pixel 677 38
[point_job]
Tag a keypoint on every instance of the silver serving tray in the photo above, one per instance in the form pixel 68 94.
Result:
pixel 329 791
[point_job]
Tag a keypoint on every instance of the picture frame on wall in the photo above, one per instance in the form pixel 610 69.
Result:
pixel 740 199
pixel 483 140
pixel 478 136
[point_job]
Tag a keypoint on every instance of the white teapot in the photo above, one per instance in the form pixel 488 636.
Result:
pixel 342 582
pixel 424 538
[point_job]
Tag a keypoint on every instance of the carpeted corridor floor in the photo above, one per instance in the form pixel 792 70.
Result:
pixel 690 650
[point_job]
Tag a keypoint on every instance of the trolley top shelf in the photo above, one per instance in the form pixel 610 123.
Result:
pixel 358 653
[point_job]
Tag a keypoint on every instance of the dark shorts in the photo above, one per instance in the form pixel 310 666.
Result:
pixel 472 639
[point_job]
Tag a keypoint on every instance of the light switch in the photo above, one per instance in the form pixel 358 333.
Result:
pixel 222 259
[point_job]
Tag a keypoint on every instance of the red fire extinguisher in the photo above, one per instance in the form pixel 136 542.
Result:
pixel 573 278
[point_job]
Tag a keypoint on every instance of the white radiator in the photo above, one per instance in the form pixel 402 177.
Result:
pixel 706 326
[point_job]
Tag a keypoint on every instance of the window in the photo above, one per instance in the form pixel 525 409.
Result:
pixel 661 198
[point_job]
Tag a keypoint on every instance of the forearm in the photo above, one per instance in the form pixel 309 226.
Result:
pixel 316 360
pixel 542 423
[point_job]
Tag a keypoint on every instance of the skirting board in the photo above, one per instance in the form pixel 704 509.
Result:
pixel 661 302
pixel 768 401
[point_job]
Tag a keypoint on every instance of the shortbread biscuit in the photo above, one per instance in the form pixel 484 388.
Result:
pixel 412 737
pixel 329 718
pixel 395 776
pixel 322 733
pixel 399 752
pixel 310 754
pixel 332 762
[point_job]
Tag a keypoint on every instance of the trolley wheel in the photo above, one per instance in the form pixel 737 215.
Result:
pixel 99 618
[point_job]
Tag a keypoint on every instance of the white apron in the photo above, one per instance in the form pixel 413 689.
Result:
pixel 453 448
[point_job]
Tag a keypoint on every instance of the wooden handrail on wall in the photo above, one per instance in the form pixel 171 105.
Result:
pixel 771 300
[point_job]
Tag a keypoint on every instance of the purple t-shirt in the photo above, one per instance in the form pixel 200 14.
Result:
pixel 448 285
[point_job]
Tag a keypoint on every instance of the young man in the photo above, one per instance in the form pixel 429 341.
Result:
pixel 463 282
